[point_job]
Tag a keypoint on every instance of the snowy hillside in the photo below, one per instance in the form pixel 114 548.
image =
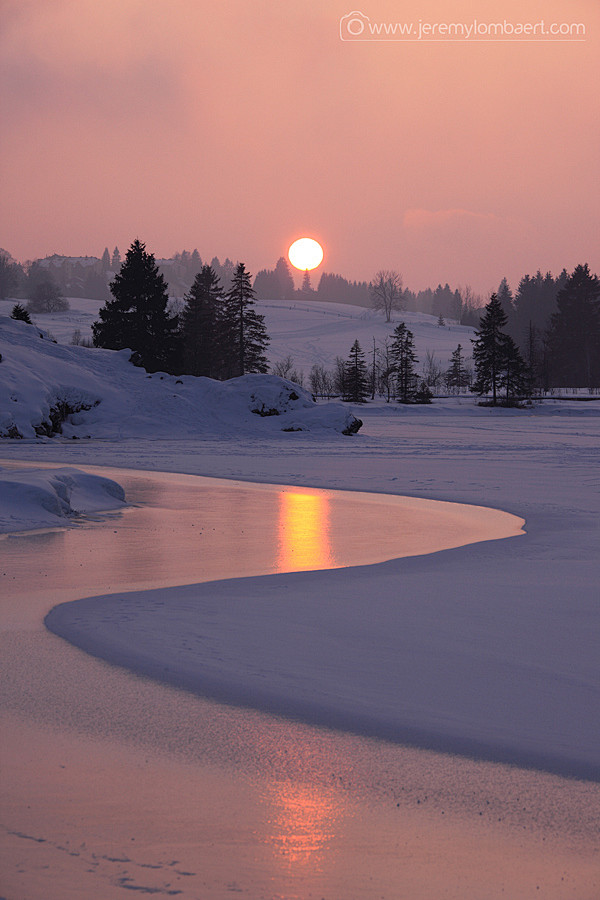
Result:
pixel 309 331
pixel 46 387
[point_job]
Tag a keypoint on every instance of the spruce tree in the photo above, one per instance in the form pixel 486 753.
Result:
pixel 456 375
pixel 244 333
pixel 137 317
pixel 515 377
pixel 496 357
pixel 488 349
pixel 402 352
pixel 200 326
pixel 574 335
pixel 20 313
pixel 356 385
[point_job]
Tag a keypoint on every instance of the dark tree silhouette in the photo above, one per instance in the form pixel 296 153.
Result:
pixel 20 314
pixel 574 335
pixel 356 385
pixel 457 376
pixel 46 297
pixel 386 292
pixel 498 363
pixel 488 349
pixel 137 317
pixel 9 278
pixel 402 352
pixel 201 326
pixel 244 331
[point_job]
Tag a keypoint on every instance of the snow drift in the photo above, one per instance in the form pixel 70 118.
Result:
pixel 48 388
pixel 44 498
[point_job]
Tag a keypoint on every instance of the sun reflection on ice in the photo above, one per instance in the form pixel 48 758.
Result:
pixel 303 532
pixel 303 824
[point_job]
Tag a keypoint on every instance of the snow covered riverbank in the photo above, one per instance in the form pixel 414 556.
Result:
pixel 47 498
pixel 487 650
pixel 493 830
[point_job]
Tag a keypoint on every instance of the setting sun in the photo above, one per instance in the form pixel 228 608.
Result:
pixel 305 253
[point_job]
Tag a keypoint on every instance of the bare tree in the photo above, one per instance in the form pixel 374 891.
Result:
pixel 284 367
pixel 386 292
pixel 433 374
pixel 47 297
pixel 386 369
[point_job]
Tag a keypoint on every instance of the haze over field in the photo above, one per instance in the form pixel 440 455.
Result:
pixel 237 128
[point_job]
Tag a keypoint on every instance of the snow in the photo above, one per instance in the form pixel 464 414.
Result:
pixel 310 331
pixel 489 650
pixel 42 498
pixel 109 398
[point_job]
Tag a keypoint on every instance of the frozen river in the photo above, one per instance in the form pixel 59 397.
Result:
pixel 115 782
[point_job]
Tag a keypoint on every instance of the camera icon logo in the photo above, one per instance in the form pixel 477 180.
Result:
pixel 353 26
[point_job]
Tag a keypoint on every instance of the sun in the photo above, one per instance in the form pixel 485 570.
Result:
pixel 305 253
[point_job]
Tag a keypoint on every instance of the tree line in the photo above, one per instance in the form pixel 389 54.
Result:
pixel 216 333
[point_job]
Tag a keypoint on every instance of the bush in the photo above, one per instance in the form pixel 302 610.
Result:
pixel 47 298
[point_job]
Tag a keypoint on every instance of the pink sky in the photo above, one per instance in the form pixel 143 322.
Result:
pixel 237 126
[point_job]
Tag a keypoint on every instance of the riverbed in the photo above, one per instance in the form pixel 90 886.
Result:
pixel 116 782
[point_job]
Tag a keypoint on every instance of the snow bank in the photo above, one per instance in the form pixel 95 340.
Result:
pixel 43 498
pixel 48 388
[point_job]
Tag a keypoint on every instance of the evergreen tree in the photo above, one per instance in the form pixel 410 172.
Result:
pixel 457 376
pixel 402 352
pixel 105 261
pixel 515 376
pixel 306 285
pixel 245 335
pixel 356 386
pixel 574 336
pixel 137 317
pixel 497 360
pixel 284 280
pixel 20 314
pixel 8 275
pixel 506 298
pixel 200 326
pixel 116 260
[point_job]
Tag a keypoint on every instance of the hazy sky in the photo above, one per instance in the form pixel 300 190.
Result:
pixel 236 126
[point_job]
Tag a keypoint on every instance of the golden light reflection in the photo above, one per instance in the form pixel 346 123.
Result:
pixel 303 532
pixel 303 824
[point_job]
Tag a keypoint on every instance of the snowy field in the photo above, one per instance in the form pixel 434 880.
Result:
pixel 487 650
pixel 310 331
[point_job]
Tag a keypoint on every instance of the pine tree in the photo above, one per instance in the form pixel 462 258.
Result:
pixel 402 352
pixel 456 375
pixel 20 313
pixel 488 349
pixel 137 317
pixel 506 298
pixel 515 376
pixel 306 285
pixel 356 385
pixel 285 282
pixel 496 357
pixel 105 261
pixel 574 335
pixel 245 335
pixel 200 326
pixel 116 260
